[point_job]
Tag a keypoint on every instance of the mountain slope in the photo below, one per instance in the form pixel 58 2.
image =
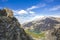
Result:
pixel 44 29
pixel 10 29
pixel 43 24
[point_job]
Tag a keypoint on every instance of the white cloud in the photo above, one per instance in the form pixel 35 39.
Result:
pixel 31 12
pixel 55 8
pixel 36 6
pixel 33 7
pixel 55 15
pixel 22 12
pixel 36 17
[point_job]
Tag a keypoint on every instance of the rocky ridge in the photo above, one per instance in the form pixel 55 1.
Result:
pixel 10 28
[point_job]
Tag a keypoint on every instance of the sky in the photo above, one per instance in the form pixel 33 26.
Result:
pixel 28 10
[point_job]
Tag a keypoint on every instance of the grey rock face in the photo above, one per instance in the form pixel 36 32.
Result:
pixel 10 29
pixel 56 33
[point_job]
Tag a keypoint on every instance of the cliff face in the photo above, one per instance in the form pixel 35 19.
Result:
pixel 10 29
pixel 56 33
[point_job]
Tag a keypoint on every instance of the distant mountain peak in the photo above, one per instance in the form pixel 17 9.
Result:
pixel 43 23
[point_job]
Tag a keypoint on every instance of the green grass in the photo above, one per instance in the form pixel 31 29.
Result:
pixel 35 35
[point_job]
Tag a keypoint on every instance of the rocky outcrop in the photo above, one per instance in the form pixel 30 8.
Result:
pixel 6 12
pixel 53 34
pixel 56 33
pixel 10 29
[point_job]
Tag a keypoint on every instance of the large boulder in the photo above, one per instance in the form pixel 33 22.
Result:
pixel 6 12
